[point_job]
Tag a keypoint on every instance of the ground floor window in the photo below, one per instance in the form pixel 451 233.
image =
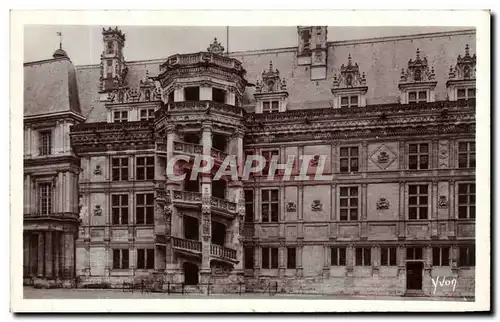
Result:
pixel 363 256
pixel 145 258
pixel 120 258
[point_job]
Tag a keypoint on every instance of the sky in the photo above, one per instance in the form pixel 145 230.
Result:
pixel 84 43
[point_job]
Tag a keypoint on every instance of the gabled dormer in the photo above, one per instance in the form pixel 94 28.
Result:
pixel 349 87
pixel 418 82
pixel 461 82
pixel 271 94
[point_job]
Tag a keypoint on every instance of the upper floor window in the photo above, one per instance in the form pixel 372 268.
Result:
pixel 466 93
pixel 466 154
pixel 348 203
pixel 418 201
pixel 269 257
pixel 467 256
pixel 119 209
pixel 291 258
pixel 270 205
pixel 147 114
pixel 145 168
pixel 466 201
pixel 414 253
pixel 417 96
pixel 388 256
pixel 45 198
pixel 120 116
pixel 441 256
pixel 268 154
pixel 337 256
pixel 270 107
pixel 170 97
pixel 192 93
pixel 363 256
pixel 144 209
pixel 349 159
pixel 418 156
pixel 120 258
pixel 218 95
pixel 249 205
pixel 45 142
pixel 248 257
pixel 145 258
pixel 349 101
pixel 119 169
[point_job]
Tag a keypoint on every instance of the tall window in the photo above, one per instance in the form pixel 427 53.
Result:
pixel 418 201
pixel 45 198
pixel 146 258
pixel 337 256
pixel 270 107
pixel 192 94
pixel 466 200
pixel 145 168
pixel 45 142
pixel 291 258
pixel 466 93
pixel 119 209
pixel 348 203
pixel 248 258
pixel 418 156
pixel 120 259
pixel 388 256
pixel 417 97
pixel 120 116
pixel 170 97
pixel 119 169
pixel 269 257
pixel 268 154
pixel 467 154
pixel 218 95
pixel 363 256
pixel 441 256
pixel 270 205
pixel 349 159
pixel 414 253
pixel 467 256
pixel 249 205
pixel 147 114
pixel 144 210
pixel 349 101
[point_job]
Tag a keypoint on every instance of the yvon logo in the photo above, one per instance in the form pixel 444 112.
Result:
pixel 444 281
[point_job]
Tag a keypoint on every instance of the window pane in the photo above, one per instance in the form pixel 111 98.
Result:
pixel 424 162
pixel 423 212
pixel 333 255
pixel 462 188
pixel 274 195
pixel 354 152
pixel 418 253
pixel 344 165
pixel 343 214
pixel 359 256
pixel 343 202
pixel 344 191
pixel 265 195
pixel 462 146
pixel 422 200
pixel 383 257
pixel 422 95
pixel 409 253
pixel 274 258
pixel 342 256
pixel 353 202
pixel 367 255
pixel 423 189
pixel 392 253
pixel 354 214
pixel 412 148
pixel 265 212
pixel 412 200
pixel 460 93
pixel 412 213
pixel 462 212
pixel 354 164
pixel 413 162
pixel 445 256
pixel 265 258
pixel 354 100
pixel 354 191
pixel 412 96
pixel 344 100
pixel 436 256
pixel 424 148
pixel 412 190
pixel 344 152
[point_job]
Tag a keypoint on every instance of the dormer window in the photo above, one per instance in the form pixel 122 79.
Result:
pixel 120 116
pixel 147 114
pixel 271 93
pixel 349 87
pixel 270 107
pixel 461 82
pixel 417 82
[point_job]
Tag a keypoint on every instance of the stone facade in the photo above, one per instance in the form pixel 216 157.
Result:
pixel 394 132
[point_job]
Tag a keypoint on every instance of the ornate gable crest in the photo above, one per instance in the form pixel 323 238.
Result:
pixel 417 71
pixel 349 76
pixel 271 81
pixel 465 69
pixel 149 90
pixel 216 48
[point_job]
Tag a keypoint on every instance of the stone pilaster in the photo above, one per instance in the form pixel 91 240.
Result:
pixel 57 253
pixel 69 254
pixel 206 206
pixel 41 254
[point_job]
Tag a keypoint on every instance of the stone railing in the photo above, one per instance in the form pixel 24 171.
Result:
pixel 186 244
pixel 61 215
pixel 218 155
pixel 223 205
pixel 186 196
pixel 188 148
pixel 201 57
pixel 205 106
pixel 161 194
pixel 221 251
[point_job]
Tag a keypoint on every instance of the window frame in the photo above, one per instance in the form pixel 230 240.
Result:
pixel 439 255
pixel 122 169
pixel 123 210
pixel 349 98
pixel 46 199
pixel 273 106
pixel 468 154
pixel 350 158
pixel 147 254
pixel 468 204
pixel 392 256
pixel 366 256
pixel 147 218
pixel 466 91
pixel 45 148
pixel 335 252
pixel 291 264
pixel 247 261
pixel 150 114
pixel 349 197
pixel 270 202
pixel 121 260
pixel 418 206
pixel 121 118
pixel 249 204
pixel 419 155
pixel 417 97
pixel 268 154
pixel 470 255
pixel 271 260
pixel 414 253
pixel 145 167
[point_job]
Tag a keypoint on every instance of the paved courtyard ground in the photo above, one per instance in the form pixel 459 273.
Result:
pixel 32 293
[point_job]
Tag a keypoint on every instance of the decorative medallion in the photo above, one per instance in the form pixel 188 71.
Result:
pixel 383 157
pixel 97 210
pixel 443 202
pixel 383 204
pixel 314 161
pixel 97 170
pixel 291 207
pixel 317 205
pixel 443 154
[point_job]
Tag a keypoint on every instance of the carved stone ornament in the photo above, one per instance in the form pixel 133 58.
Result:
pixel 417 71
pixel 349 76
pixel 291 207
pixel 97 210
pixel 383 204
pixel 443 202
pixel 317 205
pixel 206 225
pixel 383 157
pixel 216 48
pixel 271 81
pixel 97 170
pixel 314 161
pixel 465 69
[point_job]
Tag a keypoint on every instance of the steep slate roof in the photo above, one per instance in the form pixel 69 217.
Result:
pixel 50 86
pixel 380 58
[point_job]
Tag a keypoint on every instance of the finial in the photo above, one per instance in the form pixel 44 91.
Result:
pixel 418 54
pixel 60 39
pixel 271 66
pixel 467 50
pixel 349 60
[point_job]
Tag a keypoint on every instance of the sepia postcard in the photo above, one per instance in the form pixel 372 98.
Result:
pixel 243 162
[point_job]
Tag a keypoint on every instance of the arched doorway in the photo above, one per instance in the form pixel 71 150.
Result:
pixel 190 273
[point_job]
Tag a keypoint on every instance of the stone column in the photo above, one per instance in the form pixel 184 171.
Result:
pixel 69 254
pixel 205 92
pixel 49 260
pixel 33 243
pixel 26 254
pixel 326 261
pixel 206 207
pixel 41 254
pixel 56 248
